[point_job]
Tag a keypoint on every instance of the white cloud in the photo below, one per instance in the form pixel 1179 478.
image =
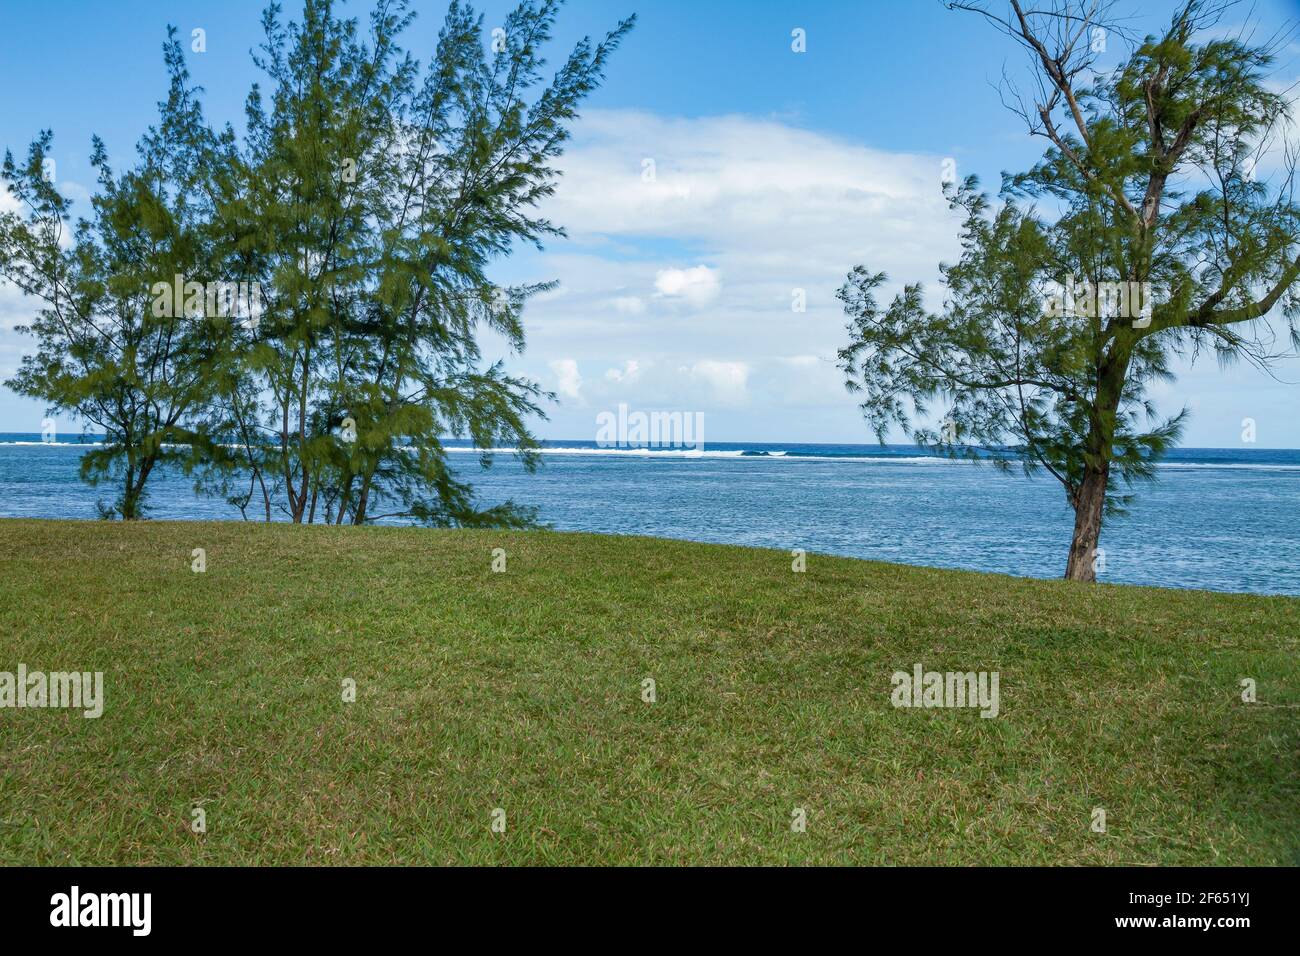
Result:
pixel 740 183
pixel 694 273
pixel 698 286
pixel 630 372
pixel 569 382
pixel 728 380
pixel 629 305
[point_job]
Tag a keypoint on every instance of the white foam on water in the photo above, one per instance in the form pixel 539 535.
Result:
pixel 728 453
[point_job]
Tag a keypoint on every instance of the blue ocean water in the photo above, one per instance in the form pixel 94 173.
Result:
pixel 1220 519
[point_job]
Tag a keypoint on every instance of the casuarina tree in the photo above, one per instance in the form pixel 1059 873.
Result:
pixel 1161 222
pixel 369 202
pixel 106 353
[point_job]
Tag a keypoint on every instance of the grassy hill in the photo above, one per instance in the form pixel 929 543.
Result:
pixel 523 691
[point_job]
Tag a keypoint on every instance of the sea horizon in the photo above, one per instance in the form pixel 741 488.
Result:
pixel 1265 456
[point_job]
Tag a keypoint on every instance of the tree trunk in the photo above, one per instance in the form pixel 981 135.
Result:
pixel 362 500
pixel 1089 499
pixel 1089 505
pixel 135 489
pixel 128 491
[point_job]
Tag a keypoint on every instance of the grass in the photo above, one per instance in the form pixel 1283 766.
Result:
pixel 523 691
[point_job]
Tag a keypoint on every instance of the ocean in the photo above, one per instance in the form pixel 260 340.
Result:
pixel 1217 518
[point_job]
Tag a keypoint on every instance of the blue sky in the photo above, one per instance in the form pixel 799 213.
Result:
pixel 774 171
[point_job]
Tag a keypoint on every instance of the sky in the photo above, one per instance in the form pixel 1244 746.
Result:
pixel 717 180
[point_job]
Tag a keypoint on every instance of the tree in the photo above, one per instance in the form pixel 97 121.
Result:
pixel 104 354
pixel 1163 241
pixel 368 202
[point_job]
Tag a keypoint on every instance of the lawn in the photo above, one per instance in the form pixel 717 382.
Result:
pixel 523 691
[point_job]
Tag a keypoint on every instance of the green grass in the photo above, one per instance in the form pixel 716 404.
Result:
pixel 522 690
